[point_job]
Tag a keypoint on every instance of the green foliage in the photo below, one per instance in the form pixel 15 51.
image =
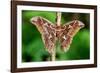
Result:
pixel 33 48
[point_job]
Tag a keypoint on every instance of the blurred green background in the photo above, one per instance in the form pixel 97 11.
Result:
pixel 33 48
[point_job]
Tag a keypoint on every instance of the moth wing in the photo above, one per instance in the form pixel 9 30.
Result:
pixel 47 30
pixel 70 30
pixel 74 26
pixel 65 39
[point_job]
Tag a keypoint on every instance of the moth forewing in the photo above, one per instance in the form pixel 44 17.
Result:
pixel 46 28
pixel 73 28
pixel 35 21
pixel 39 22
pixel 76 27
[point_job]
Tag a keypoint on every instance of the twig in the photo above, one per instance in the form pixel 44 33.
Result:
pixel 53 55
pixel 58 20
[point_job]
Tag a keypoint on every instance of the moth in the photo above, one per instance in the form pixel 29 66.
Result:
pixel 51 32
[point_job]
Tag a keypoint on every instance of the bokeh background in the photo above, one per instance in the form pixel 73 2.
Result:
pixel 33 49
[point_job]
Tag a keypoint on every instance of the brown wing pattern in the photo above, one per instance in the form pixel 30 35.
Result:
pixel 71 28
pixel 47 30
pixel 50 33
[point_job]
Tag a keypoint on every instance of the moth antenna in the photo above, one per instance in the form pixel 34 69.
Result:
pixel 75 16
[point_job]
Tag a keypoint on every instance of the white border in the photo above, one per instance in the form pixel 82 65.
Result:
pixel 56 63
